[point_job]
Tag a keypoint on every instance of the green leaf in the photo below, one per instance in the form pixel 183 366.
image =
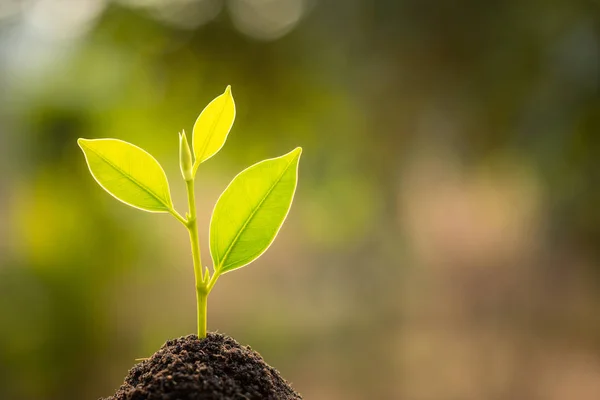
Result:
pixel 212 127
pixel 250 212
pixel 128 173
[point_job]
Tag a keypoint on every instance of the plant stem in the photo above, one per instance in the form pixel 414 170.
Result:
pixel 192 226
pixel 212 281
pixel 201 290
pixel 202 297
pixel 178 216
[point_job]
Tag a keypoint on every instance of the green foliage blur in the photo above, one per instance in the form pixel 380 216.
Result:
pixel 444 242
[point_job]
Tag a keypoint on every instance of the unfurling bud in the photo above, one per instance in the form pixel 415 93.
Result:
pixel 185 158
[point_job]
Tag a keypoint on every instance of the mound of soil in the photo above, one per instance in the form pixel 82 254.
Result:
pixel 214 368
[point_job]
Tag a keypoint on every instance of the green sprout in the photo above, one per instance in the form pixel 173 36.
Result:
pixel 247 216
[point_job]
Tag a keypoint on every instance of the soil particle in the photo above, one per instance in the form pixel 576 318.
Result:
pixel 214 368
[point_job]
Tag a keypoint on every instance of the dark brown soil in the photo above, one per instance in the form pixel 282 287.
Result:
pixel 214 368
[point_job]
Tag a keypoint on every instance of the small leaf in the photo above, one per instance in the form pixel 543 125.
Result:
pixel 212 127
pixel 250 212
pixel 185 158
pixel 128 173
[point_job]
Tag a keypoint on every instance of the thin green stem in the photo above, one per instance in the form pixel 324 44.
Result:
pixel 202 297
pixel 178 216
pixel 201 292
pixel 213 280
pixel 192 226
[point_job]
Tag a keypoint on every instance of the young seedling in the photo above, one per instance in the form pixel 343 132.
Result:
pixel 247 216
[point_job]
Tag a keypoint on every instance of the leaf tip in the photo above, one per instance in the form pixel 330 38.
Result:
pixel 296 153
pixel 229 96
pixel 81 142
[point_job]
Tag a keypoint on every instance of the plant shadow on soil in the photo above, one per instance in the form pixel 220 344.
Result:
pixel 214 368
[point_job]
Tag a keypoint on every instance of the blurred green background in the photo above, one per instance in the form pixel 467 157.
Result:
pixel 445 237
